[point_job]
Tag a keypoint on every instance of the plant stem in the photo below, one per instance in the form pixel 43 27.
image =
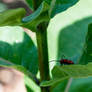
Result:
pixel 43 54
pixel 41 36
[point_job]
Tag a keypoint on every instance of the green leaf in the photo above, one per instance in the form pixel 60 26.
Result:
pixel 30 3
pixel 17 47
pixel 12 17
pixel 28 77
pixel 73 20
pixel 5 62
pixel 31 85
pixel 58 6
pixel 75 71
pixel 68 31
pixel 87 54
pixel 52 82
pixel 8 64
pixel 39 16
pixel 81 85
pixel 60 87
pixel 76 85
pixel 68 71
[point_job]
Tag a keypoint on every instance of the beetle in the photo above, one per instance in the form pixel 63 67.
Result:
pixel 65 61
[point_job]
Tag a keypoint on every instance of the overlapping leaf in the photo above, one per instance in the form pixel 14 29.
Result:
pixel 17 47
pixel 28 77
pixel 69 31
pixel 14 17
pixel 39 16
pixel 62 31
pixel 68 71
pixel 58 6
pixel 81 85
pixel 74 85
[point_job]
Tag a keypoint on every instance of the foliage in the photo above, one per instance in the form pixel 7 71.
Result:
pixel 69 34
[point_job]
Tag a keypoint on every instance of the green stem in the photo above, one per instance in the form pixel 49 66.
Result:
pixel 41 36
pixel 43 54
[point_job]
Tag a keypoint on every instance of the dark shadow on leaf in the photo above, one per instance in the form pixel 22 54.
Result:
pixel 71 40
